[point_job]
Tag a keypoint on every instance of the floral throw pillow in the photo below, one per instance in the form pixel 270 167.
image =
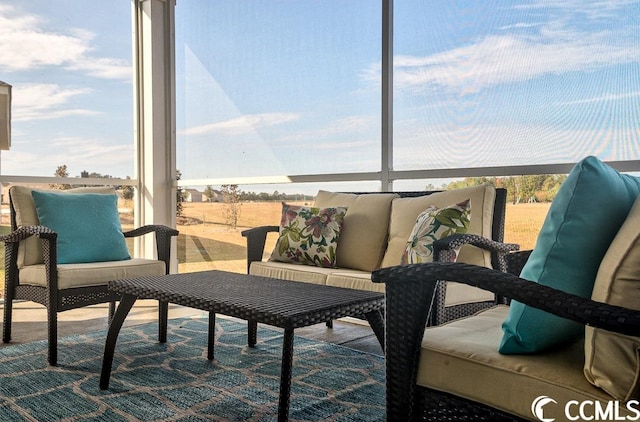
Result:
pixel 433 224
pixel 309 235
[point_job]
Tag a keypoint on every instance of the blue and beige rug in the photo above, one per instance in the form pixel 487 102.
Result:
pixel 175 381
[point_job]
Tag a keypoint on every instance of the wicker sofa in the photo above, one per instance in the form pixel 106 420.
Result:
pixel 375 231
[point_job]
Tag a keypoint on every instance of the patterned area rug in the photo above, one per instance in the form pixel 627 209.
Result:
pixel 175 381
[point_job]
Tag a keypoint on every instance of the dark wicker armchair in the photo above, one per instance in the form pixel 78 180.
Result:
pixel 90 280
pixel 410 290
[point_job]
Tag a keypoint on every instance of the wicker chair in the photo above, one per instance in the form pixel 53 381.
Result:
pixel 410 290
pixel 47 292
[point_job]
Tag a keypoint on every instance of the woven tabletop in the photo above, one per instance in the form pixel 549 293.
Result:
pixel 284 304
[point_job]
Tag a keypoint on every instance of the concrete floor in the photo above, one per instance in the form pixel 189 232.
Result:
pixel 29 324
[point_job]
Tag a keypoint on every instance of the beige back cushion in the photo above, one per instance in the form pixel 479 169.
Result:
pixel 611 359
pixel 364 230
pixel 30 250
pixel 404 212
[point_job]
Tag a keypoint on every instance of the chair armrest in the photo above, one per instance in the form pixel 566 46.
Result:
pixel 24 232
pixel 409 296
pixel 582 310
pixel 12 240
pixel 49 252
pixel 443 248
pixel 163 236
pixel 256 239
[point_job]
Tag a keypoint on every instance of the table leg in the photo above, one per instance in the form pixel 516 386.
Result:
pixel 252 333
pixel 376 321
pixel 163 315
pixel 285 375
pixel 212 335
pixel 126 303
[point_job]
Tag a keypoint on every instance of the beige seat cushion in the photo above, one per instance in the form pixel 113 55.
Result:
pixel 462 358
pixel 363 238
pixel 291 272
pixel 360 280
pixel 30 250
pixel 460 294
pixel 457 293
pixel 92 274
pixel 405 211
pixel 612 360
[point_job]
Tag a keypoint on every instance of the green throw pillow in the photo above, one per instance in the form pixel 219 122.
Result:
pixel 88 226
pixel 433 224
pixel 585 216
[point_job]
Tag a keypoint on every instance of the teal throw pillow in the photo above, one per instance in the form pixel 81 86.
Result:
pixel 583 219
pixel 87 224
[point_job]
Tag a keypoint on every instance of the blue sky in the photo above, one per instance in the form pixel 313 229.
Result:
pixel 292 87
pixel 476 83
pixel 70 68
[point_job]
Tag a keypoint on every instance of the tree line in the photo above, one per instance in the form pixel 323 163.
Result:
pixel 62 171
pixel 241 196
pixel 529 188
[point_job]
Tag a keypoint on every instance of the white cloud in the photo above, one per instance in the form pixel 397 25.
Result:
pixel 104 68
pixel 26 44
pixel 99 155
pixel 353 124
pixel 354 148
pixel 494 59
pixel 334 132
pixel 44 101
pixel 605 98
pixel 504 59
pixel 495 144
pixel 589 9
pixel 243 124
pixel 519 25
pixel 93 150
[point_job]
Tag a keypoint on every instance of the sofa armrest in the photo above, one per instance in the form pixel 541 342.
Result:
pixel 515 261
pixel 444 251
pixel 163 235
pixel 256 239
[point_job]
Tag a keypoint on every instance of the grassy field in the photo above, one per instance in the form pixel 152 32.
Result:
pixel 523 222
pixel 207 242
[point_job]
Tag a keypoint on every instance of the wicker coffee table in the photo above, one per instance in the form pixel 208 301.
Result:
pixel 283 304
